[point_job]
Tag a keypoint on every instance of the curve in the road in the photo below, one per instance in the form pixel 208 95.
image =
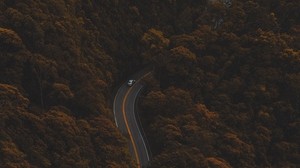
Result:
pixel 128 129
pixel 125 119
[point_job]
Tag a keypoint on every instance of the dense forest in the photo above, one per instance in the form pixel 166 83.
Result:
pixel 60 61
pixel 225 90
pixel 226 86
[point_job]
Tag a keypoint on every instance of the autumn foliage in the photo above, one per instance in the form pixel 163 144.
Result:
pixel 224 91
pixel 57 73
pixel 227 89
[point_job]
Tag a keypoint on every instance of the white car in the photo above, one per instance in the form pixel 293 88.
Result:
pixel 130 82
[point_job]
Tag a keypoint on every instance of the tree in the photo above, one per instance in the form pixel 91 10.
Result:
pixel 180 156
pixel 40 73
pixel 27 28
pixel 154 102
pixel 180 61
pixel 12 156
pixel 234 148
pixel 61 94
pixel 9 40
pixel 178 101
pixel 155 39
pixel 217 163
pixel 155 44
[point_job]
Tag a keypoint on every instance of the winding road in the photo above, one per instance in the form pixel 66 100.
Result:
pixel 126 121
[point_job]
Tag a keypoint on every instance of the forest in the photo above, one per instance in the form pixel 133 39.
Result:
pixel 225 89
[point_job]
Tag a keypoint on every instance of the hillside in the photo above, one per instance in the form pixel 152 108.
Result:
pixel 224 92
pixel 59 65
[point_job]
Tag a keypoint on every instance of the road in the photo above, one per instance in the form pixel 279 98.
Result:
pixel 126 121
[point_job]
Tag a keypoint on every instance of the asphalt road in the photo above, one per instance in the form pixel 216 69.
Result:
pixel 126 121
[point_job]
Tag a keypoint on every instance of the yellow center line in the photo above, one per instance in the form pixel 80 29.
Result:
pixel 130 135
pixel 127 126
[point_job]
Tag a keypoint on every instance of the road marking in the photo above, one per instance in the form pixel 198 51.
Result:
pixel 128 129
pixel 114 104
pixel 137 124
pixel 126 123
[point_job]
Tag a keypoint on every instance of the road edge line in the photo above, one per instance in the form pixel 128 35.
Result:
pixel 137 123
